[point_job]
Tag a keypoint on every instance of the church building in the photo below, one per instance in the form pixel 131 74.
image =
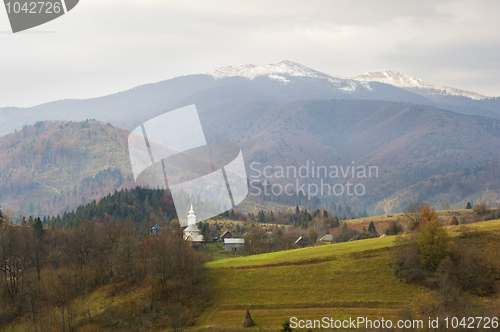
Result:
pixel 192 233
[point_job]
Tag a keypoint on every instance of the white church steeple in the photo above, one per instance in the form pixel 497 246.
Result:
pixel 191 216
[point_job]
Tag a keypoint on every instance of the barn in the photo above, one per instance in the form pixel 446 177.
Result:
pixel 234 244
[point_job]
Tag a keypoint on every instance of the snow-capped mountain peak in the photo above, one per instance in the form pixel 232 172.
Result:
pixel 282 71
pixel 415 84
pixel 273 70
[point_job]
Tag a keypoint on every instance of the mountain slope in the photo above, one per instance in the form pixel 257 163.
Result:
pixel 480 183
pixel 407 143
pixel 53 167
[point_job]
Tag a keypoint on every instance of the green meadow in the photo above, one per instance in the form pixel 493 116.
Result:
pixel 304 256
pixel 339 280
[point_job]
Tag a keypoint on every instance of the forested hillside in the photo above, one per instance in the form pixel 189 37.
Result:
pixel 420 153
pixel 52 167
pixel 137 205
pixel 479 183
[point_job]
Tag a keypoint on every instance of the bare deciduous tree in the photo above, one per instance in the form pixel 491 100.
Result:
pixel 412 214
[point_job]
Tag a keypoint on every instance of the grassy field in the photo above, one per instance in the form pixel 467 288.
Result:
pixel 382 222
pixel 349 284
pixel 304 256
pixel 480 226
pixel 338 280
pixel 216 251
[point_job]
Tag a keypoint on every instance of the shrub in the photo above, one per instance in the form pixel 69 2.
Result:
pixel 480 208
pixel 346 234
pixel 454 221
pixel 286 327
pixel 395 228
pixel 474 275
pixel 406 260
pixel 433 243
pixel 313 236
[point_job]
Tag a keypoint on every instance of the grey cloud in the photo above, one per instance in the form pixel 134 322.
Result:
pixel 104 47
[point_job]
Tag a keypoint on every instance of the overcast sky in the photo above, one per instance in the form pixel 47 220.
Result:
pixel 106 46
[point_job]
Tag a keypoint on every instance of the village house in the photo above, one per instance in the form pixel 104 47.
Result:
pixel 301 242
pixel 156 230
pixel 268 236
pixel 326 239
pixel 234 244
pixel 226 235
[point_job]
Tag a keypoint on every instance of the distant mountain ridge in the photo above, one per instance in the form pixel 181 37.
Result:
pixel 293 69
pixel 284 81
pixel 251 71
pixel 416 85
pixel 283 113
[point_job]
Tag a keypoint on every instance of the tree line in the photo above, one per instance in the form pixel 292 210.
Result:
pixel 46 272
pixel 453 268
